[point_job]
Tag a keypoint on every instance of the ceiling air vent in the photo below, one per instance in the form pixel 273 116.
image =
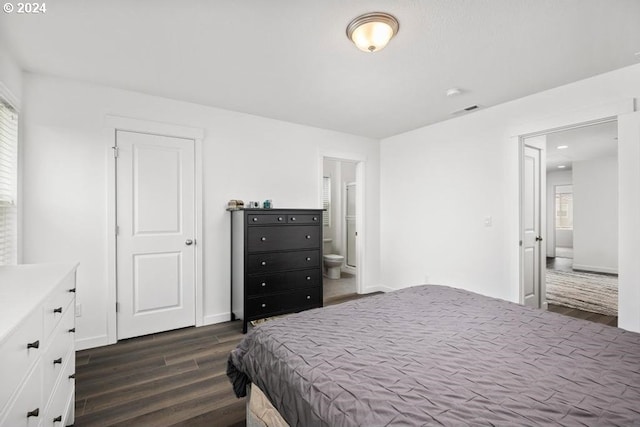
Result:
pixel 466 109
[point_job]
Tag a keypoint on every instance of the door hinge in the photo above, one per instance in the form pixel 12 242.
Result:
pixel 116 151
pixel 117 230
pixel 520 242
pixel 117 307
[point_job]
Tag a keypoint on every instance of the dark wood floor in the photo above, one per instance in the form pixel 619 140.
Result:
pixel 175 378
pixel 169 379
pixel 586 315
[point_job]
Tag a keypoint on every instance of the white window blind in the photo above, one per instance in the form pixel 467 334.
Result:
pixel 326 201
pixel 8 184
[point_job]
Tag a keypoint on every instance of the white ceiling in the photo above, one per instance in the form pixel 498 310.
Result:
pixel 584 143
pixel 291 59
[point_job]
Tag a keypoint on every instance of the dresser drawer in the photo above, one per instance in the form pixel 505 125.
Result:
pixel 304 219
pixel 59 302
pixel 269 305
pixel 21 349
pixel 58 352
pixel 28 409
pixel 269 283
pixel 56 414
pixel 272 262
pixel 260 239
pixel 261 219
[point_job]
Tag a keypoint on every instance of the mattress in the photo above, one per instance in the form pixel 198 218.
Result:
pixel 431 355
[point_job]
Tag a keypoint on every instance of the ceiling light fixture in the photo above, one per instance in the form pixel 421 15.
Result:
pixel 372 31
pixel 561 167
pixel 562 147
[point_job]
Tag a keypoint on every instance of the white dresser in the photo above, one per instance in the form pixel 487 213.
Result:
pixel 37 351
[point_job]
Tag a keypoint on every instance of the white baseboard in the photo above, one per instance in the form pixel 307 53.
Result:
pixel 216 318
pixel 595 269
pixel 378 288
pixel 92 342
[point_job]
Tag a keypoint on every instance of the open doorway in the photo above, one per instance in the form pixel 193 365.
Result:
pixel 340 189
pixel 582 220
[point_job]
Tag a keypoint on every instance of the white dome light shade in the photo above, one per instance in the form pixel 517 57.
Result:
pixel 372 32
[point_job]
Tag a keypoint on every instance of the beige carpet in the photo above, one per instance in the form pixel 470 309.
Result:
pixel 597 293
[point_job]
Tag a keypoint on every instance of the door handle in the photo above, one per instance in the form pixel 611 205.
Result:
pixel 189 242
pixel 538 238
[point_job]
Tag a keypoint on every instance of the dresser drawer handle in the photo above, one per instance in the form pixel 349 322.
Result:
pixel 72 330
pixel 308 258
pixel 263 263
pixel 72 376
pixel 293 218
pixel 307 236
pixel 308 296
pixel 280 218
pixel 315 218
pixel 263 284
pixel 72 290
pixel 58 361
pixel 255 219
pixel 57 310
pixel 33 413
pixel 308 277
pixel 264 239
pixel 35 344
pixel 264 305
pixel 57 419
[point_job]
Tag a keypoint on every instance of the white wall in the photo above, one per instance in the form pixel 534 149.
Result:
pixel 553 179
pixel 244 157
pixel 440 181
pixel 595 215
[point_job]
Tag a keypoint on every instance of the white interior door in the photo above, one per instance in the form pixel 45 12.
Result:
pixel 533 259
pixel 155 187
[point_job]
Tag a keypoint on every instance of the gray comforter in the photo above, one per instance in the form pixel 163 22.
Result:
pixel 434 355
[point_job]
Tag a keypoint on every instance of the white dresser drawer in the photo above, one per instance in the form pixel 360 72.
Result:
pixel 28 409
pixel 57 413
pixel 59 351
pixel 37 312
pixel 17 357
pixel 56 306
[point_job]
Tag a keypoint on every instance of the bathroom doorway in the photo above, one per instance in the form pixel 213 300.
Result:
pixel 340 196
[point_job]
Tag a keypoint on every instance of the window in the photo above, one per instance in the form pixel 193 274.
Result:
pixel 564 207
pixel 326 201
pixel 8 184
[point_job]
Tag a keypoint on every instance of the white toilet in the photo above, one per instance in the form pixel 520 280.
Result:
pixel 332 262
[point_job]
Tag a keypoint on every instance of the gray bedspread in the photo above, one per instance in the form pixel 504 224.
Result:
pixel 434 355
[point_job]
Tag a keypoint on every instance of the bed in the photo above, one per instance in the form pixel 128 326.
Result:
pixel 436 355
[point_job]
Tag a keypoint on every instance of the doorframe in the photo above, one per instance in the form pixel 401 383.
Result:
pixel 360 162
pixel 112 124
pixel 569 120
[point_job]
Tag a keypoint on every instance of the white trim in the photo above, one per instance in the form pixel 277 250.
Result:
pixel 111 125
pixel 92 342
pixel 211 319
pixel 152 127
pixel 594 269
pixel 360 160
pixel 568 120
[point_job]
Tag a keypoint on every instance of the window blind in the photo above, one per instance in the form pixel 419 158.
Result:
pixel 8 184
pixel 326 201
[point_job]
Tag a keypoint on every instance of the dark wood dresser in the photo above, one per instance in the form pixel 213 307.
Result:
pixel 276 262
